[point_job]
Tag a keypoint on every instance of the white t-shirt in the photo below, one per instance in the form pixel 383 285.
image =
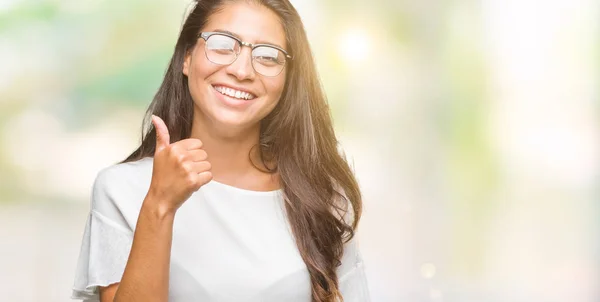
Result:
pixel 229 244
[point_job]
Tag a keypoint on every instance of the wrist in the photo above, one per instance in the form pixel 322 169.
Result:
pixel 157 208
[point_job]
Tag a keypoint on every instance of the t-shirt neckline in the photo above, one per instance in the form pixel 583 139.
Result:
pixel 243 191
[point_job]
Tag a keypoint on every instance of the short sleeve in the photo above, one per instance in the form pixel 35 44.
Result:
pixel 106 242
pixel 352 279
pixel 351 275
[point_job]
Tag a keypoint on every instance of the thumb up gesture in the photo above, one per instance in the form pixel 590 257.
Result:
pixel 179 169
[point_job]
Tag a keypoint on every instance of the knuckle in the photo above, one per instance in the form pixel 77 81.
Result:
pixel 172 152
pixel 206 177
pixel 190 181
pixel 167 150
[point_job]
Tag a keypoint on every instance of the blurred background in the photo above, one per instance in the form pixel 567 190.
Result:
pixel 473 128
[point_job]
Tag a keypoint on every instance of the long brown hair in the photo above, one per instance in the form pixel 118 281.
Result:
pixel 320 190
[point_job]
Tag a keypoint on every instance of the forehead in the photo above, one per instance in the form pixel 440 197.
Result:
pixel 253 23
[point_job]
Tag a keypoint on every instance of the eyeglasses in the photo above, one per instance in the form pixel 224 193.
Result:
pixel 224 49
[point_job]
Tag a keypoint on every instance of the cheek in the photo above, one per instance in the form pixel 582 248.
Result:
pixel 199 72
pixel 275 87
pixel 200 69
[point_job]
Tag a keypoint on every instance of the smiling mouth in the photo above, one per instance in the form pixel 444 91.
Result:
pixel 230 92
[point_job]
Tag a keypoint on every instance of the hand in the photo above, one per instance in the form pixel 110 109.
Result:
pixel 179 169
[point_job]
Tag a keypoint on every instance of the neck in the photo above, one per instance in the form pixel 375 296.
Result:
pixel 228 149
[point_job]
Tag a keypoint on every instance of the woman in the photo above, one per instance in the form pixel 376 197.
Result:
pixel 242 149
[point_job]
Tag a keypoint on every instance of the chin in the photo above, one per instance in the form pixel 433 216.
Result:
pixel 226 121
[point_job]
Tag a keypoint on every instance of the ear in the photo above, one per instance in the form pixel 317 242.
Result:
pixel 186 62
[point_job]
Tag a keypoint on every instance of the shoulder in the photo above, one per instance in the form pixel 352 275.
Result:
pixel 124 174
pixel 122 184
pixel 351 258
pixel 342 205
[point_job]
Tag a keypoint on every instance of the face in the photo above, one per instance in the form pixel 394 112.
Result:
pixel 214 87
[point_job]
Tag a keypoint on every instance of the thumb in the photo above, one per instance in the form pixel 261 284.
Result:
pixel 162 133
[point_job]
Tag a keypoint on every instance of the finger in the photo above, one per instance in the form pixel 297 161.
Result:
pixel 162 133
pixel 204 178
pixel 199 166
pixel 189 144
pixel 196 155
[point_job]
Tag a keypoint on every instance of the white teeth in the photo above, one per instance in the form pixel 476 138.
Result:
pixel 234 93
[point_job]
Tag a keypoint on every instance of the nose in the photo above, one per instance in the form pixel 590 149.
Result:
pixel 242 68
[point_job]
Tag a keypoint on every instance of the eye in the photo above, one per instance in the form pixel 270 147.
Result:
pixel 222 51
pixel 269 56
pixel 221 44
pixel 267 60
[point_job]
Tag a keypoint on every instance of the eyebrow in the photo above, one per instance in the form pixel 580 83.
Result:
pixel 237 36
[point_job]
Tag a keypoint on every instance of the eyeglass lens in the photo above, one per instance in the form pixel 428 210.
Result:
pixel 223 50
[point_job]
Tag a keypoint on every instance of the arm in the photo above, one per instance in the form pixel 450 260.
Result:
pixel 146 276
pixel 178 170
pixel 107 293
